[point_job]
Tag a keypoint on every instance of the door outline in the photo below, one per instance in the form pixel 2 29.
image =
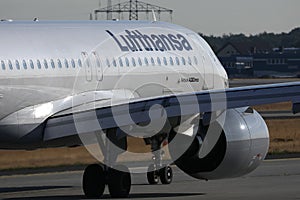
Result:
pixel 207 62
pixel 87 66
pixel 98 66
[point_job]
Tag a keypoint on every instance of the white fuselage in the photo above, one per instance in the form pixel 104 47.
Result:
pixel 47 61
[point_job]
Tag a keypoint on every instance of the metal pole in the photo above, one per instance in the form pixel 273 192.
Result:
pixel 109 11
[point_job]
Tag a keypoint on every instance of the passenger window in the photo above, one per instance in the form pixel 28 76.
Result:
pixel 73 63
pixel 66 63
pixel 183 61
pixel 45 64
pixel 31 64
pixel 39 64
pixel 10 65
pixel 171 61
pixel 152 61
pixel 24 64
pixel 140 62
pixel 3 65
pixel 165 61
pixel 158 61
pixel 177 61
pixel 59 63
pixel 121 62
pixel 146 61
pixel 107 63
pixel 127 62
pixel 114 63
pixel 133 62
pixel 189 60
pixel 17 64
pixel 52 64
pixel 79 63
pixel 195 60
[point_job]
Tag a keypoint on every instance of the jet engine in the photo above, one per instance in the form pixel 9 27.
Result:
pixel 240 147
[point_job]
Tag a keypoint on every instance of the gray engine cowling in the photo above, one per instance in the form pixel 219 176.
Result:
pixel 241 147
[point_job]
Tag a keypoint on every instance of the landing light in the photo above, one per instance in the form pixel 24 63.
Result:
pixel 43 110
pixel 243 127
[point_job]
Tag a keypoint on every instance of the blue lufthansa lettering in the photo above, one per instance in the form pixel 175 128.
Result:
pixel 123 48
pixel 137 41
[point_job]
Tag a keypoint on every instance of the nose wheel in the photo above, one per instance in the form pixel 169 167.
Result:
pixel 152 175
pixel 165 175
pixel 157 170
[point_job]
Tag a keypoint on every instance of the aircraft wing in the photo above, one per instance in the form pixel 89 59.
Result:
pixel 62 125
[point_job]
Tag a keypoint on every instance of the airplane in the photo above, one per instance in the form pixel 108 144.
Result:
pixel 70 83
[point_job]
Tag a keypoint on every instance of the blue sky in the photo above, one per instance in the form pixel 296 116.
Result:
pixel 206 16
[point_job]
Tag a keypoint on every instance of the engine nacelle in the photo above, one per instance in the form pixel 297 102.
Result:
pixel 241 147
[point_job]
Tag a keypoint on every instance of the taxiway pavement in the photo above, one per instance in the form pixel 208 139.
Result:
pixel 274 179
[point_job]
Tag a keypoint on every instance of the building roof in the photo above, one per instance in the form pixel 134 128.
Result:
pixel 246 48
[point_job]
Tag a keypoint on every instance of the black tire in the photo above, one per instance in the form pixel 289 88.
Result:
pixel 152 175
pixel 119 182
pixel 166 175
pixel 93 182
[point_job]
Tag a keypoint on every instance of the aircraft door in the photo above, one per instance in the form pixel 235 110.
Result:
pixel 209 72
pixel 97 65
pixel 204 63
pixel 87 66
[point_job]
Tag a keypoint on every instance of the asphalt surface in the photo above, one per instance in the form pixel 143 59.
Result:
pixel 275 179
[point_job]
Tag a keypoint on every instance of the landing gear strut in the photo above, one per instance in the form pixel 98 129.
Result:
pixel 117 179
pixel 157 170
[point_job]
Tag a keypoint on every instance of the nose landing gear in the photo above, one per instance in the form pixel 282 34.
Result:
pixel 157 170
pixel 165 175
